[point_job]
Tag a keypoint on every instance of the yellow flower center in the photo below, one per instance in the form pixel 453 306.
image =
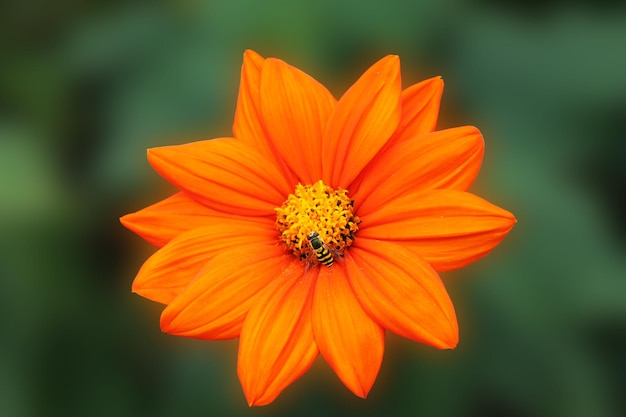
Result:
pixel 317 209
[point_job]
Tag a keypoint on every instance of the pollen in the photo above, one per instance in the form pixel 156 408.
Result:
pixel 321 209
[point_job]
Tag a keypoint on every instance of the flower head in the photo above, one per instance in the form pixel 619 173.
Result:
pixel 318 226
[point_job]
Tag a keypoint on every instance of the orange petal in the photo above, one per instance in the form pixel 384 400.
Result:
pixel 248 125
pixel 295 110
pixel 420 109
pixel 350 341
pixel 163 221
pixel 166 273
pixel 363 120
pixel 447 159
pixel 401 291
pixel 225 174
pixel 450 229
pixel 276 345
pixel 215 304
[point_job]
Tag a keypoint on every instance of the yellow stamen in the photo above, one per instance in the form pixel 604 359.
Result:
pixel 317 208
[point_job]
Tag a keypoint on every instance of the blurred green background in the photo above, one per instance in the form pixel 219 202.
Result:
pixel 86 87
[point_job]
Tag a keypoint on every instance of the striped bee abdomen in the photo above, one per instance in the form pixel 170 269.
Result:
pixel 321 251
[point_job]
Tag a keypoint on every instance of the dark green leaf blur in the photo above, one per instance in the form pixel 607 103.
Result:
pixel 86 87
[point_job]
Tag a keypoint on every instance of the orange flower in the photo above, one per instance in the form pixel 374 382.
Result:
pixel 385 193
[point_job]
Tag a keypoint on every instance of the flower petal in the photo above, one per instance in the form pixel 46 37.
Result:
pixel 224 174
pixel 248 125
pixel 168 271
pixel 277 345
pixel 163 221
pixel 420 109
pixel 350 341
pixel 448 159
pixel 215 304
pixel 363 120
pixel 449 229
pixel 295 110
pixel 401 291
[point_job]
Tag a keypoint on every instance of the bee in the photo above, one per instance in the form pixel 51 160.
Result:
pixel 323 254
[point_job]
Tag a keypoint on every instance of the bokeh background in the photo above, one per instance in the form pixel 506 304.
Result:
pixel 86 87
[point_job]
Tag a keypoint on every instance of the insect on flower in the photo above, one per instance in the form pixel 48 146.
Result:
pixel 321 250
pixel 381 188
